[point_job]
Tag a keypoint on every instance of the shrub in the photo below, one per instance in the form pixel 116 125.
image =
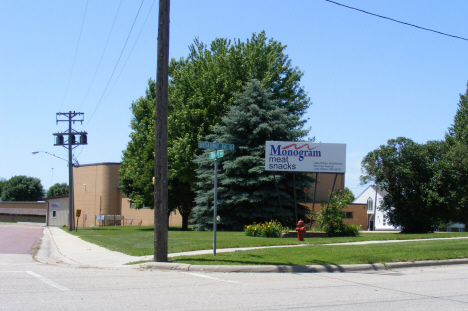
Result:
pixel 330 217
pixel 351 230
pixel 271 229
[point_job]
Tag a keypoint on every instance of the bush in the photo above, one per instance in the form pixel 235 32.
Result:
pixel 351 230
pixel 330 218
pixel 272 229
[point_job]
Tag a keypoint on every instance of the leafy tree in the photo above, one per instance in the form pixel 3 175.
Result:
pixel 137 169
pixel 407 171
pixel 57 190
pixel 22 188
pixel 452 178
pixel 202 88
pixel 246 191
pixel 2 184
pixel 349 194
pixel 330 218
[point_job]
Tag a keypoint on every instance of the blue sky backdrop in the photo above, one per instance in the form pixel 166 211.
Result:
pixel 369 79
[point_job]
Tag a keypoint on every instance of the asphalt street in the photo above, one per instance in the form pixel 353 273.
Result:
pixel 26 284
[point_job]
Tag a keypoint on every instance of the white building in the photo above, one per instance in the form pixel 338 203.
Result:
pixel 373 197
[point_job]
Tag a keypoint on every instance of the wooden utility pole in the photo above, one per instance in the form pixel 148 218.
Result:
pixel 160 135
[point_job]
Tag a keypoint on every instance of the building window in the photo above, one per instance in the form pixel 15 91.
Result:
pixel 54 214
pixel 384 220
pixel 133 206
pixel 370 204
pixel 348 215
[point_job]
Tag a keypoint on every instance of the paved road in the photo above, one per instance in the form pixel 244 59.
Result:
pixel 19 240
pixel 29 285
pixel 26 285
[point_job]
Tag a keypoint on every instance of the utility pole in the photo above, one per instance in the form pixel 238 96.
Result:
pixel 70 144
pixel 160 136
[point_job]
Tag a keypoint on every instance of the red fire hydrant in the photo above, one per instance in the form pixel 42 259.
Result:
pixel 300 230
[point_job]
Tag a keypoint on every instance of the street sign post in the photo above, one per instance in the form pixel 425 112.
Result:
pixel 218 153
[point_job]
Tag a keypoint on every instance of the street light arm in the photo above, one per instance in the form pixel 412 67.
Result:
pixel 36 152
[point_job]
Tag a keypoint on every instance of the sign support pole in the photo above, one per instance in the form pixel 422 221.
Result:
pixel 215 201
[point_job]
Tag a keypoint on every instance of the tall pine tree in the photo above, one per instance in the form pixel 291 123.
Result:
pixel 246 192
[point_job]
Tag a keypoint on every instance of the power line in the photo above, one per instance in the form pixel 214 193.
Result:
pixel 129 54
pixel 74 58
pixel 128 36
pixel 397 21
pixel 102 56
pixel 118 76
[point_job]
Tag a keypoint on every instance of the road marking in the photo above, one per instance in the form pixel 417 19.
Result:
pixel 47 281
pixel 212 278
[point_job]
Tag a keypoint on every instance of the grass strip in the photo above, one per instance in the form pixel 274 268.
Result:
pixel 139 240
pixel 337 254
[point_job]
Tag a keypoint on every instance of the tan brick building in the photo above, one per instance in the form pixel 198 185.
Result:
pixel 96 193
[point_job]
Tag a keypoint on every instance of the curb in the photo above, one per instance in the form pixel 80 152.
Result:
pixel 167 266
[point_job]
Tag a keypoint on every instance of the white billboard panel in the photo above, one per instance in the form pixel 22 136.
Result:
pixel 293 156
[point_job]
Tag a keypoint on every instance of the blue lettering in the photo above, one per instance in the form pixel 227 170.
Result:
pixel 274 151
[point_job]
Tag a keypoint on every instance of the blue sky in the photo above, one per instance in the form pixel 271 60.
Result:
pixel 369 79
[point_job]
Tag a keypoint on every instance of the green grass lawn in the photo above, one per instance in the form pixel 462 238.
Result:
pixel 138 241
pixel 337 254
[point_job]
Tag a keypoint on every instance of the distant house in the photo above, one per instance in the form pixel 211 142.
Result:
pixel 372 197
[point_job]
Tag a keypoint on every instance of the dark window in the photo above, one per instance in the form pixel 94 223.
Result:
pixel 347 214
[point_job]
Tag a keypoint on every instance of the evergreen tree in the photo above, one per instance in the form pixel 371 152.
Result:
pixel 458 131
pixel 246 192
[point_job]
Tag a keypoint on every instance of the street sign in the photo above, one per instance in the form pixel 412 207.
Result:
pixel 216 154
pixel 215 146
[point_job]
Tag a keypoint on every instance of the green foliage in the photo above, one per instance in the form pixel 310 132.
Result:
pixel 408 171
pixel 57 190
pixel 246 192
pixel 22 188
pixel 202 88
pixel 454 165
pixel 330 218
pixel 351 230
pixel 2 184
pixel 137 169
pixel 270 229
pixel 458 131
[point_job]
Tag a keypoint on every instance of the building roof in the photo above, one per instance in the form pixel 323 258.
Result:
pixel 57 197
pixel 95 164
pixel 22 211
pixel 380 191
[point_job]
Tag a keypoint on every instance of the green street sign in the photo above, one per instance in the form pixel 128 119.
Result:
pixel 215 146
pixel 220 154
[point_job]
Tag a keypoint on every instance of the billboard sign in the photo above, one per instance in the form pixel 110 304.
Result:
pixel 293 156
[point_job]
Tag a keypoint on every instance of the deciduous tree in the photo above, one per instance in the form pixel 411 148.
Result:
pixel 22 188
pixel 407 170
pixel 58 190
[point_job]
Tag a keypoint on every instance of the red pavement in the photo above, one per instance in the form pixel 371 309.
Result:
pixel 17 240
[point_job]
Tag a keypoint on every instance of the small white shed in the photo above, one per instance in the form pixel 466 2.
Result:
pixel 57 211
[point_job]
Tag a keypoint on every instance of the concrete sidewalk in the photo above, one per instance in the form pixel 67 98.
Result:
pixel 58 246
